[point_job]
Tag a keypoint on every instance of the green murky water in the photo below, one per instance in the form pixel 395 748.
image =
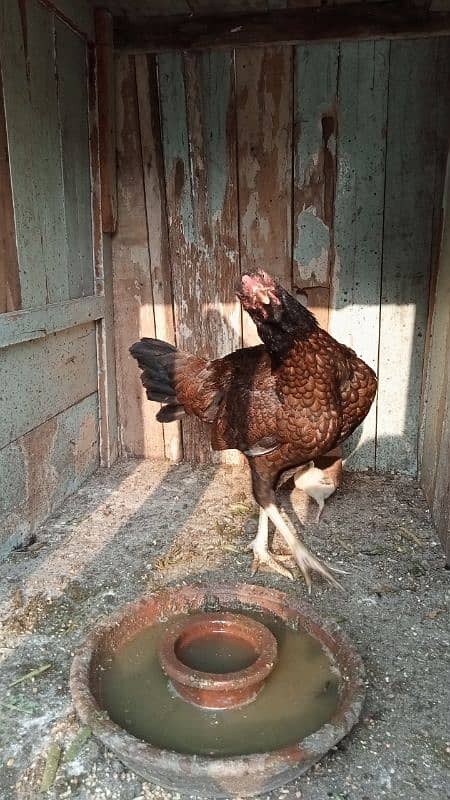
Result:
pixel 217 654
pixel 299 696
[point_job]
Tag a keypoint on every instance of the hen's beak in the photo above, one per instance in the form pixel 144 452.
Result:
pixel 261 296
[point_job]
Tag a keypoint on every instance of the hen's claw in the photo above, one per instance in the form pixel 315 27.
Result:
pixel 308 563
pixel 262 558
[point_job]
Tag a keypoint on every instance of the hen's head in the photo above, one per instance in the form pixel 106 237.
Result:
pixel 276 313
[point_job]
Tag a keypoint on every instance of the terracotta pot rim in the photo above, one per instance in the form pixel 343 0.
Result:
pixel 263 641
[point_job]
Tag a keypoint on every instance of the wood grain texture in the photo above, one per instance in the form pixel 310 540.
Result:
pixel 106 117
pixel 197 108
pixel 10 298
pixel 42 378
pixel 73 111
pixel 264 131
pixel 155 202
pixel 408 235
pixel 434 453
pixel 77 14
pixel 37 323
pixel 43 467
pixel 315 130
pixel 359 217
pixel 141 434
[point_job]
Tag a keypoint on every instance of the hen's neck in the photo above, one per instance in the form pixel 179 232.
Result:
pixel 292 323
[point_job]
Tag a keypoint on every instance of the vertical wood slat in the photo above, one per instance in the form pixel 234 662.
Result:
pixel 199 159
pixel 155 201
pixel 104 49
pixel 264 131
pixel 46 149
pixel 315 130
pixel 141 434
pixel 408 229
pixel 358 226
pixel 73 113
pixel 10 299
pixel 20 123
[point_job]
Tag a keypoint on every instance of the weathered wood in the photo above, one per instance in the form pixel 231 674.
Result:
pixel 10 299
pixel 358 226
pixel 409 201
pixel 77 14
pixel 73 110
pixel 388 20
pixel 106 117
pixel 315 129
pixel 264 131
pixel 197 106
pixel 155 201
pixel 42 378
pixel 40 469
pixel 20 123
pixel 317 300
pixel 37 323
pixel 434 452
pixel 141 434
pixel 102 251
pixel 45 145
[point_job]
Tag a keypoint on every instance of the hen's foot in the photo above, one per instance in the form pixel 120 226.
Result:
pixel 262 558
pixel 308 564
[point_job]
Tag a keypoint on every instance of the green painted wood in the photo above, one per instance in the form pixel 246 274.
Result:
pixel 41 469
pixel 175 139
pixel 73 112
pixel 37 323
pixel 315 90
pixel 20 124
pixel 42 378
pixel 44 139
pixel 413 142
pixel 358 223
pixel 78 13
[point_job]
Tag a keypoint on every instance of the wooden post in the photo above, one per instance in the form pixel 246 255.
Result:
pixel 106 117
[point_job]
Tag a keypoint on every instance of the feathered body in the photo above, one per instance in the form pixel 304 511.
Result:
pixel 281 403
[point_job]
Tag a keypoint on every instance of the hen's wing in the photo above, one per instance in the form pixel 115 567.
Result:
pixel 357 389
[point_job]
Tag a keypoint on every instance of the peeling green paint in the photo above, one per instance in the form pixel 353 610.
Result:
pixel 313 242
pixel 176 137
pixel 215 91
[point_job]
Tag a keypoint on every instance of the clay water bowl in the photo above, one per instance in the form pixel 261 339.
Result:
pixel 224 689
pixel 249 769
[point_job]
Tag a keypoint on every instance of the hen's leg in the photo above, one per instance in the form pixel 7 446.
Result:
pixel 303 557
pixel 261 555
pixel 321 503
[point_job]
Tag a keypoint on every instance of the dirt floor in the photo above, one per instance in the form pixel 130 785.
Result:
pixel 142 525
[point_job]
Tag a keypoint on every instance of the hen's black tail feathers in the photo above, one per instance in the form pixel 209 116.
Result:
pixel 157 362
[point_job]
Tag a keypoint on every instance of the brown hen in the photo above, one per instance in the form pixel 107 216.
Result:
pixel 282 403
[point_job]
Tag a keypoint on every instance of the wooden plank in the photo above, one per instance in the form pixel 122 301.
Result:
pixel 77 14
pixel 102 249
pixel 20 122
pixel 73 111
pixel 46 148
pixel 37 323
pixel 10 298
pixel 197 107
pixel 155 200
pixel 141 434
pixel 358 227
pixel 41 378
pixel 264 131
pixel 389 20
pixel 106 117
pixel 41 469
pixel 434 455
pixel 407 250
pixel 315 129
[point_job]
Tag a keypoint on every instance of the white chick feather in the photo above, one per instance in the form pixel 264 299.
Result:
pixel 316 484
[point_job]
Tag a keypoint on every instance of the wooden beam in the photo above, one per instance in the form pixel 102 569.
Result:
pixel 106 118
pixel 25 326
pixel 371 21
pixel 77 14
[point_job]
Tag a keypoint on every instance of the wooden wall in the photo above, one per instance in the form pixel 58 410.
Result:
pixel 323 164
pixel 49 305
pixel 435 432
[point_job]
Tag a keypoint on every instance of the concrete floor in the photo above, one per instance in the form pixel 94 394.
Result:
pixel 142 525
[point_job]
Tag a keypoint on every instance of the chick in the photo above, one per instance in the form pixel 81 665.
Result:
pixel 315 483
